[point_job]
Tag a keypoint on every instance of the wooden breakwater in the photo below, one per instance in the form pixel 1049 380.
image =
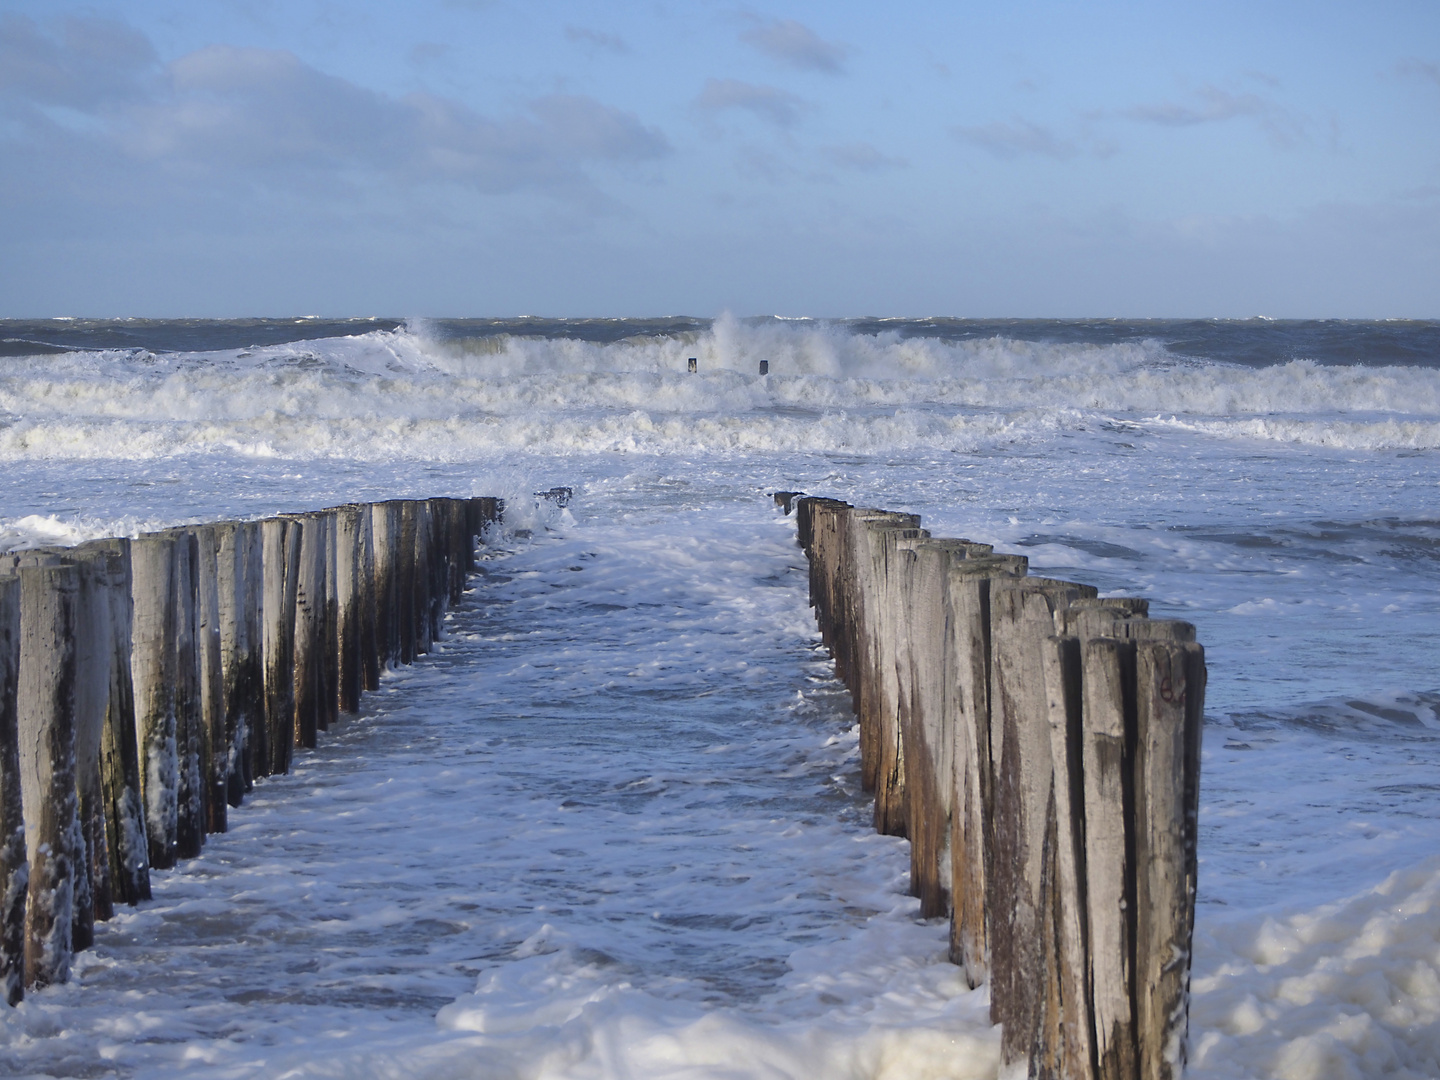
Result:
pixel 1040 748
pixel 146 683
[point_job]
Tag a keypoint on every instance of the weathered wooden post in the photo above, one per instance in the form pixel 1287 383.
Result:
pixel 46 710
pixel 407 585
pixel 211 541
pixel 309 632
pixel 349 564
pixel 930 712
pixel 370 644
pixel 1066 1044
pixel 1169 700
pixel 189 716
pixel 14 866
pixel 1022 620
pixel 385 539
pixel 329 712
pixel 882 540
pixel 461 547
pixel 240 688
pixel 967 601
pixel 1108 749
pixel 121 765
pixel 281 538
pixel 153 669
pixel 93 652
pixel 424 557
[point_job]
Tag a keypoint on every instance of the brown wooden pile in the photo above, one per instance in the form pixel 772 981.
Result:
pixel 1040 748
pixel 145 684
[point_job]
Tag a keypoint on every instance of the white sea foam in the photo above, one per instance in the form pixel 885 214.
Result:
pixel 634 723
pixel 407 394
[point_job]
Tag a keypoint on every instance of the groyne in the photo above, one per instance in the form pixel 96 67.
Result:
pixel 147 683
pixel 1040 748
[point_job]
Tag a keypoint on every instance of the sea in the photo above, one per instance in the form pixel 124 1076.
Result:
pixel 612 827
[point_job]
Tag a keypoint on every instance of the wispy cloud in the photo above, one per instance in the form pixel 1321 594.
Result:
pixel 268 114
pixel 596 40
pixel 861 157
pixel 795 45
pixel 1212 105
pixel 1413 65
pixel 1017 138
pixel 779 107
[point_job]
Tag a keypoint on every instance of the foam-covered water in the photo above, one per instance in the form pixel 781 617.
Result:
pixel 611 829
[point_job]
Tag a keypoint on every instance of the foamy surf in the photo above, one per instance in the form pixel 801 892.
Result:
pixel 712 903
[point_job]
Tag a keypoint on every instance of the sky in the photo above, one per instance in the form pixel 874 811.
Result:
pixel 487 158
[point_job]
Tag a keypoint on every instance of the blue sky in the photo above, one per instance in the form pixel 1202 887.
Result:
pixel 484 157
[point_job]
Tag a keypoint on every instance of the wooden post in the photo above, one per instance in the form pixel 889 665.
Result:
pixel 282 539
pixel 121 766
pixel 929 714
pixel 1170 699
pixel 46 709
pixel 385 539
pixel 93 651
pixel 424 556
pixel 968 620
pixel 328 713
pixel 153 669
pixel 349 556
pixel 406 584
pixel 461 549
pixel 256 737
pixel 213 541
pixel 238 605
pixel 1108 749
pixel 371 658
pixel 1022 619
pixel 1066 1046
pixel 14 867
pixel 189 715
pixel 309 633
pixel 882 545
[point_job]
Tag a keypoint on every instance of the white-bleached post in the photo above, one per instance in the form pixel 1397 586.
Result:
pixel 54 845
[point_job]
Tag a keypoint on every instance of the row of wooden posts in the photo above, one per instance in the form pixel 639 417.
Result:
pixel 145 684
pixel 1040 748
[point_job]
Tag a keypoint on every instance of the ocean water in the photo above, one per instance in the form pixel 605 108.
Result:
pixel 611 828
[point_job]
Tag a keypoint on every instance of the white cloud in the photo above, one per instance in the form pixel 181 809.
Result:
pixel 780 107
pixel 267 113
pixel 795 45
